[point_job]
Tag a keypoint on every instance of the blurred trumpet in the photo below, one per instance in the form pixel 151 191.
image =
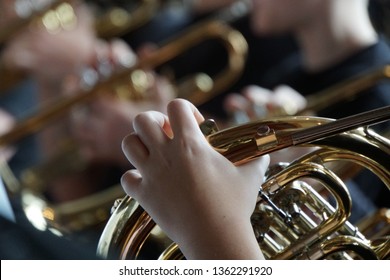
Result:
pixel 346 90
pixel 336 94
pixel 133 78
pixel 128 84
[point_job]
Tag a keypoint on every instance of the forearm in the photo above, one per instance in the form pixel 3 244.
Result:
pixel 237 242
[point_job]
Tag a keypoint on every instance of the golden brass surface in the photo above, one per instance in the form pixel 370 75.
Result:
pixel 292 220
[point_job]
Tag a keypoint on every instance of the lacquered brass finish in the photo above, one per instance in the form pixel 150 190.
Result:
pixel 292 219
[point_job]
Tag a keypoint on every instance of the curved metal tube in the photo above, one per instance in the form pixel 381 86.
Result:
pixel 247 140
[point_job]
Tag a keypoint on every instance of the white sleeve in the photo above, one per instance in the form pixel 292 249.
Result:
pixel 5 205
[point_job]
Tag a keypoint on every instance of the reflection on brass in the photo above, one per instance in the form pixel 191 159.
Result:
pixel 346 90
pixel 292 220
pixel 70 217
pixel 117 21
pixel 36 13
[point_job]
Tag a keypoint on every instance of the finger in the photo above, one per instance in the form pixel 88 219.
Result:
pixel 235 102
pixel 259 99
pixel 184 118
pixel 237 106
pixel 122 54
pixel 150 127
pixel 289 99
pixel 131 182
pixel 162 91
pixel 135 151
pixel 257 95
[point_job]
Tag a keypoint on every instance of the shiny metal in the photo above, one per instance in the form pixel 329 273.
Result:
pixel 117 20
pixel 376 225
pixel 292 219
pixel 34 12
pixel 346 90
pixel 71 217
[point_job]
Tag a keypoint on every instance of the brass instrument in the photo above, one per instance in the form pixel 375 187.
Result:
pixel 346 90
pixel 281 222
pixel 376 224
pixel 335 94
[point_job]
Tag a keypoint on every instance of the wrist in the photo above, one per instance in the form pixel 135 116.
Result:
pixel 230 241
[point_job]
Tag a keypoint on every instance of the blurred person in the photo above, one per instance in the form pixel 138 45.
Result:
pixel 336 41
pixel 103 114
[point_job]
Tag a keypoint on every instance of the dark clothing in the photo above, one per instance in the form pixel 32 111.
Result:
pixel 23 242
pixel 308 83
pixel 20 101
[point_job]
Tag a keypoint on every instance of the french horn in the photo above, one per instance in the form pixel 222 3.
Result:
pixel 292 219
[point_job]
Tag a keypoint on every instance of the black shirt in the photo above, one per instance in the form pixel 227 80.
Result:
pixel 24 242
